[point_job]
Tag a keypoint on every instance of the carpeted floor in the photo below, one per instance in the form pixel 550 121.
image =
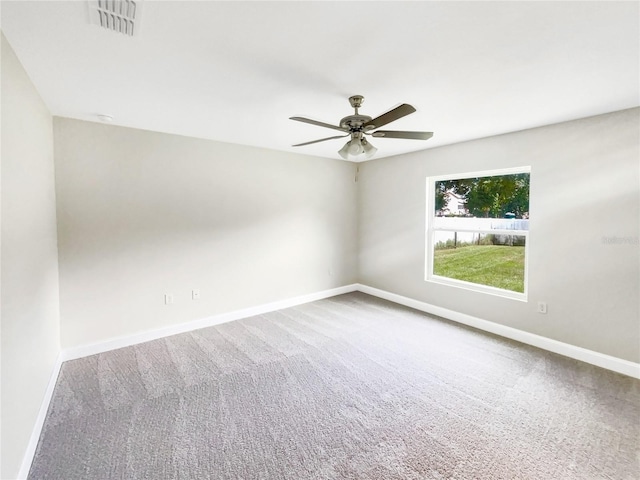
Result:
pixel 351 387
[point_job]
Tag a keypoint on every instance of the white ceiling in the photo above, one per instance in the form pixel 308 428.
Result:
pixel 235 71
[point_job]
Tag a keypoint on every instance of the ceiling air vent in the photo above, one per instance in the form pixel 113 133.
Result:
pixel 121 16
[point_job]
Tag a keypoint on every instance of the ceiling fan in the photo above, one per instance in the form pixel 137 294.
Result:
pixel 357 126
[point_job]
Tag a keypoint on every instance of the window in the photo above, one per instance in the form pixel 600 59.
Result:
pixel 478 231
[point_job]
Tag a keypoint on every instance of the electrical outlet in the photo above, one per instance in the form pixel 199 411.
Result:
pixel 168 299
pixel 542 307
pixel 195 294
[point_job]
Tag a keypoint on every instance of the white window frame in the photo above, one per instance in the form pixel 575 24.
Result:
pixel 431 231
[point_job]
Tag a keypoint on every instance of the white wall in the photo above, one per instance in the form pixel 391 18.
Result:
pixel 141 214
pixel 584 256
pixel 30 314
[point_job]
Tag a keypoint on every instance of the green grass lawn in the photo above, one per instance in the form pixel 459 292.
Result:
pixel 498 266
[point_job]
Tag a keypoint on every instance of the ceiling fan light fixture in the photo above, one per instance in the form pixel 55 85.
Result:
pixel 369 150
pixel 344 151
pixel 355 147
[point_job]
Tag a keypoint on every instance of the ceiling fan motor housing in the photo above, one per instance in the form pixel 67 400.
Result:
pixel 354 122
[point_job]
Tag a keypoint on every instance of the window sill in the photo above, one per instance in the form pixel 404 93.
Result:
pixel 474 287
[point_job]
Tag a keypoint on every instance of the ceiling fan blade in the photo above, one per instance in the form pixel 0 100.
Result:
pixel 394 114
pixel 400 134
pixel 321 140
pixel 319 124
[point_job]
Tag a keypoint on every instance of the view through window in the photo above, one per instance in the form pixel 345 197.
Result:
pixel 478 228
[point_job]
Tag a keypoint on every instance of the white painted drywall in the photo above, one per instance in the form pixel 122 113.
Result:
pixel 143 214
pixel 584 256
pixel 30 313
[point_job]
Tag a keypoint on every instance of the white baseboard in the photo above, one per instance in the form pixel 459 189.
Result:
pixel 601 360
pixel 27 459
pixel 589 356
pixel 578 353
pixel 128 340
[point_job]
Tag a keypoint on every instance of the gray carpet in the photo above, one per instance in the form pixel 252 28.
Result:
pixel 351 387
